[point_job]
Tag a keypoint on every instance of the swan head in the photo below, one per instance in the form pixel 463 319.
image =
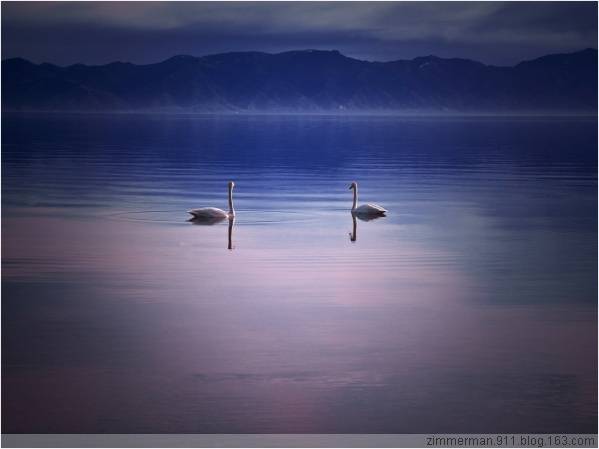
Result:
pixel 353 185
pixel 231 184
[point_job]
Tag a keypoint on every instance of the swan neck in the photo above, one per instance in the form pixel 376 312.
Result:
pixel 231 210
pixel 355 198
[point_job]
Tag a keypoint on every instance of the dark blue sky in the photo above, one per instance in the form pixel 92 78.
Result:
pixel 144 32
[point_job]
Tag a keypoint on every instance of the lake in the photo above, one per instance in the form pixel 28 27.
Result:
pixel 470 307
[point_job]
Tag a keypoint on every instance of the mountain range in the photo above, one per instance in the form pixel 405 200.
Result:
pixel 305 81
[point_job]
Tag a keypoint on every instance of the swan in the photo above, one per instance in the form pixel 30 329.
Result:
pixel 213 213
pixel 365 210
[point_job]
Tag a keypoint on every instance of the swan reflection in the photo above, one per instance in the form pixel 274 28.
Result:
pixel 353 236
pixel 210 221
pixel 230 233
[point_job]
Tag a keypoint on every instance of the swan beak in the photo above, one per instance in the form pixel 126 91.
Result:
pixel 350 187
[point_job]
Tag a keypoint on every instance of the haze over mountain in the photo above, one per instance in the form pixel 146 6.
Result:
pixel 306 81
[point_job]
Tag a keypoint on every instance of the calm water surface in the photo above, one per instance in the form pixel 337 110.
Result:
pixel 472 307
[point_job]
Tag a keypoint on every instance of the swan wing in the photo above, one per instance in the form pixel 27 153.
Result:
pixel 208 212
pixel 370 209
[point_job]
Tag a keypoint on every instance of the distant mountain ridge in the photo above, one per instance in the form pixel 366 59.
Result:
pixel 305 81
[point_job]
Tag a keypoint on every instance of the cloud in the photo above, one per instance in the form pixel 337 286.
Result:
pixel 494 32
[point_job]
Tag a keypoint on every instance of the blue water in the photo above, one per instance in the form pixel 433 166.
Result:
pixel 471 307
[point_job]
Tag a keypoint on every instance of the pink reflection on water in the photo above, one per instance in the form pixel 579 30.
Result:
pixel 284 332
pixel 266 261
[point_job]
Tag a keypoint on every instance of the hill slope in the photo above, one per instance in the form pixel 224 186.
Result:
pixel 305 81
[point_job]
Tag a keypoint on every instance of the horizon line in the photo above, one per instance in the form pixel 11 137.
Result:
pixel 305 50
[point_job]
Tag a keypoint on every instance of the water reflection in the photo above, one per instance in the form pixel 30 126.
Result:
pixel 230 233
pixel 353 236
pixel 462 306
pixel 210 221
pixel 206 221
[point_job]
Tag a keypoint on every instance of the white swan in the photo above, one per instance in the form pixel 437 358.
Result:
pixel 365 209
pixel 213 213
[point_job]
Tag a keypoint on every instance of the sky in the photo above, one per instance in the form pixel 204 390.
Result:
pixel 498 33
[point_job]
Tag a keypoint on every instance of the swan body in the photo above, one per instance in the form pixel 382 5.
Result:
pixel 369 209
pixel 214 213
pixel 208 212
pixel 366 210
